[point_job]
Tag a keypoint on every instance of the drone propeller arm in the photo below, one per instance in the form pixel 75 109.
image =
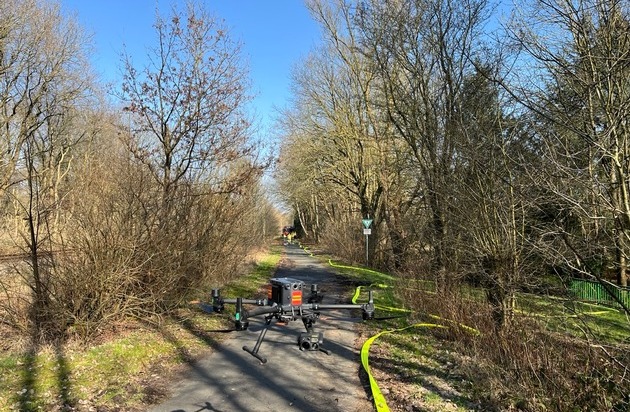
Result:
pixel 367 308
pixel 218 301
pixel 317 306
pixel 241 316
pixel 260 311
pixel 257 302
pixel 286 302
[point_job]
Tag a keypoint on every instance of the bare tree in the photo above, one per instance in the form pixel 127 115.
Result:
pixel 422 51
pixel 187 104
pixel 489 216
pixel 334 130
pixel 575 79
pixel 188 128
pixel 43 79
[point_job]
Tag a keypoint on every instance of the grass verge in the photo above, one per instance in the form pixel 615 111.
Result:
pixel 128 370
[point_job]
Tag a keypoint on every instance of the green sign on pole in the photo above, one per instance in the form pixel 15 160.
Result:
pixel 367 231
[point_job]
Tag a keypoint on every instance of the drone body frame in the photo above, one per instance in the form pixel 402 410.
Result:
pixel 286 302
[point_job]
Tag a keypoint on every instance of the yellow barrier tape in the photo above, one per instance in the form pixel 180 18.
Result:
pixel 335 265
pixel 306 249
pixel 461 325
pixel 539 315
pixel 391 309
pixel 357 292
pixel 379 399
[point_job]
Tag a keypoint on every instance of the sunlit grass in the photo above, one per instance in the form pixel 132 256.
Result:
pixel 107 373
pixel 424 369
pixel 112 375
pixel 580 319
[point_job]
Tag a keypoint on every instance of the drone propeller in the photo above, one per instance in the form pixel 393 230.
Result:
pixel 205 307
pixel 222 331
pixel 389 317
pixel 326 316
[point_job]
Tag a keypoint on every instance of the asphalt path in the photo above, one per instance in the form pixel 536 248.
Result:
pixel 230 379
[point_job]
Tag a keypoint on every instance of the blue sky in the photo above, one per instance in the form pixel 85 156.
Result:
pixel 275 34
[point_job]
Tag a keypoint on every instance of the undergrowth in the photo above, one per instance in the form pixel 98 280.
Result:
pixel 556 354
pixel 127 367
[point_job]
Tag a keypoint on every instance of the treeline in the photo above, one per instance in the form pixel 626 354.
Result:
pixel 498 160
pixel 489 152
pixel 124 200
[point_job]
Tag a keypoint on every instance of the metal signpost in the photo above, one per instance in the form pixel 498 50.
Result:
pixel 367 232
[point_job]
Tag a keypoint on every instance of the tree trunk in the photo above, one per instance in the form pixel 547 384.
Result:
pixel 622 261
pixel 438 263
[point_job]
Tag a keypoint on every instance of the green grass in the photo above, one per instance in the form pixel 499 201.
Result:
pixel 607 325
pixel 113 375
pixel 423 369
pixel 105 374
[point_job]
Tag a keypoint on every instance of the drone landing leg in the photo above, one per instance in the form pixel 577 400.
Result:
pixel 263 332
pixel 319 348
pixel 254 352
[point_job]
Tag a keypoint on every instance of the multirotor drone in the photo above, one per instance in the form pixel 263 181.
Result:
pixel 286 302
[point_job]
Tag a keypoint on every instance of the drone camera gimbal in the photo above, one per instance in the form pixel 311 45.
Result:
pixel 285 302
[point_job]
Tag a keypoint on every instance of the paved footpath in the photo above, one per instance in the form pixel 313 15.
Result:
pixel 231 380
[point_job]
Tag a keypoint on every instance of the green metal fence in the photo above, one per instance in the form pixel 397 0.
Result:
pixel 594 291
